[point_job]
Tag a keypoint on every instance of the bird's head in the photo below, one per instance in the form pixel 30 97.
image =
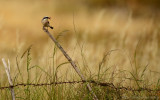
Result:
pixel 46 17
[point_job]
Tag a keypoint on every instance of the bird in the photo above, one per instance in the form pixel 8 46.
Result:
pixel 45 22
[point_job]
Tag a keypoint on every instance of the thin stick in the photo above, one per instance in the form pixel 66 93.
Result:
pixel 71 62
pixel 7 68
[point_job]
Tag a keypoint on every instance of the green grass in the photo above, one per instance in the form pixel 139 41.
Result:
pixel 36 74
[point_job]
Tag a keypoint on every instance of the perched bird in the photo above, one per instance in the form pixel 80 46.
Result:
pixel 45 22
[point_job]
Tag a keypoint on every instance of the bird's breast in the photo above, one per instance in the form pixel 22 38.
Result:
pixel 44 21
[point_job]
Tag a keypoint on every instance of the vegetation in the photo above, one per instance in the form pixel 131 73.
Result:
pixel 117 51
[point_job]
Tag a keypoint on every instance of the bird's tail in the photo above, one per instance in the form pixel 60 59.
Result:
pixel 51 27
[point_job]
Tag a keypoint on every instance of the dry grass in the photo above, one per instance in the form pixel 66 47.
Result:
pixel 91 35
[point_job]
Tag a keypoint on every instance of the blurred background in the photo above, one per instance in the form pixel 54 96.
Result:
pixel 92 26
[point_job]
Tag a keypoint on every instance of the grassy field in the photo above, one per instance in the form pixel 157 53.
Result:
pixel 112 45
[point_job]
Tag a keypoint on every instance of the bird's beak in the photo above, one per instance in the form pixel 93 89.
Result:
pixel 49 17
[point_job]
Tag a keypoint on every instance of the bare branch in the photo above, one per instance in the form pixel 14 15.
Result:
pixel 71 62
pixel 7 69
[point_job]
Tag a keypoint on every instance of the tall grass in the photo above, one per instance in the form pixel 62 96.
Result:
pixel 110 46
pixel 106 72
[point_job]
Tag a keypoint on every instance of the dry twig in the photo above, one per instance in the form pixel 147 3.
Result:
pixel 72 63
pixel 7 68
